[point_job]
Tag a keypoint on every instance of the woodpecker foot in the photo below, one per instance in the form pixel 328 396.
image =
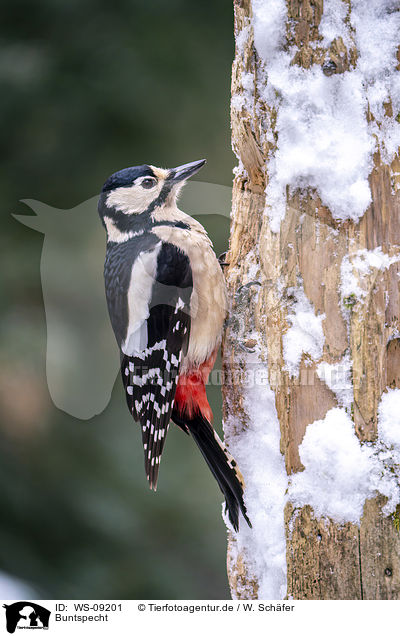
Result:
pixel 221 260
pixel 246 287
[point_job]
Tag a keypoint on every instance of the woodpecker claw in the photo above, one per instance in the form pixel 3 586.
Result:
pixel 221 259
pixel 246 286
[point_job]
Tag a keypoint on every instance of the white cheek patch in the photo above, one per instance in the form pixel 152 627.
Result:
pixel 139 296
pixel 134 199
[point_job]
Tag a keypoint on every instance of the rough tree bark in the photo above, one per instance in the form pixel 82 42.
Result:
pixel 324 560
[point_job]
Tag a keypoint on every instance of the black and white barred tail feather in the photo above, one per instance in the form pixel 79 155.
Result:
pixel 220 462
pixel 150 380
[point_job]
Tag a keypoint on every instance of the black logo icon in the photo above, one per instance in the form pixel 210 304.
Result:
pixel 26 615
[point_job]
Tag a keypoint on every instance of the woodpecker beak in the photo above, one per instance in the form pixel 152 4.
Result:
pixel 181 173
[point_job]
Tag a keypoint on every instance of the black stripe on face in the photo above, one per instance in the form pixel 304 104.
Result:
pixel 162 197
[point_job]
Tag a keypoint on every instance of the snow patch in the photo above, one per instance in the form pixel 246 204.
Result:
pixel 341 473
pixel 305 334
pixel 323 140
pixel 388 478
pixel 377 26
pixel 358 265
pixel 389 419
pixel 257 451
pixel 269 27
pixel 338 378
pixel 241 39
pixel 333 23
pixel 336 479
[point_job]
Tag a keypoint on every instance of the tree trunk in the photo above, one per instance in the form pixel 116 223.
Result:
pixel 341 273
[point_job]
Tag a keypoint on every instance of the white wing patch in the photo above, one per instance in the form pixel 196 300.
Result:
pixel 139 295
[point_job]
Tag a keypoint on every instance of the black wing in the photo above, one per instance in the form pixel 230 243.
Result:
pixel 150 378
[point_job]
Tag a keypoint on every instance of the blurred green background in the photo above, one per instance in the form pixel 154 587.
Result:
pixel 89 87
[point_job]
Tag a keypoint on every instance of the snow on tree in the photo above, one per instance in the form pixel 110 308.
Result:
pixel 312 347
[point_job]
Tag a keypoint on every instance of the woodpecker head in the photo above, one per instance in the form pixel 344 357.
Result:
pixel 142 189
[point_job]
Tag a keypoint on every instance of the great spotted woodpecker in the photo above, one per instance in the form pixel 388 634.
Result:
pixel 166 298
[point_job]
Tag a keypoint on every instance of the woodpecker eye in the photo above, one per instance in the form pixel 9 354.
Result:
pixel 148 183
